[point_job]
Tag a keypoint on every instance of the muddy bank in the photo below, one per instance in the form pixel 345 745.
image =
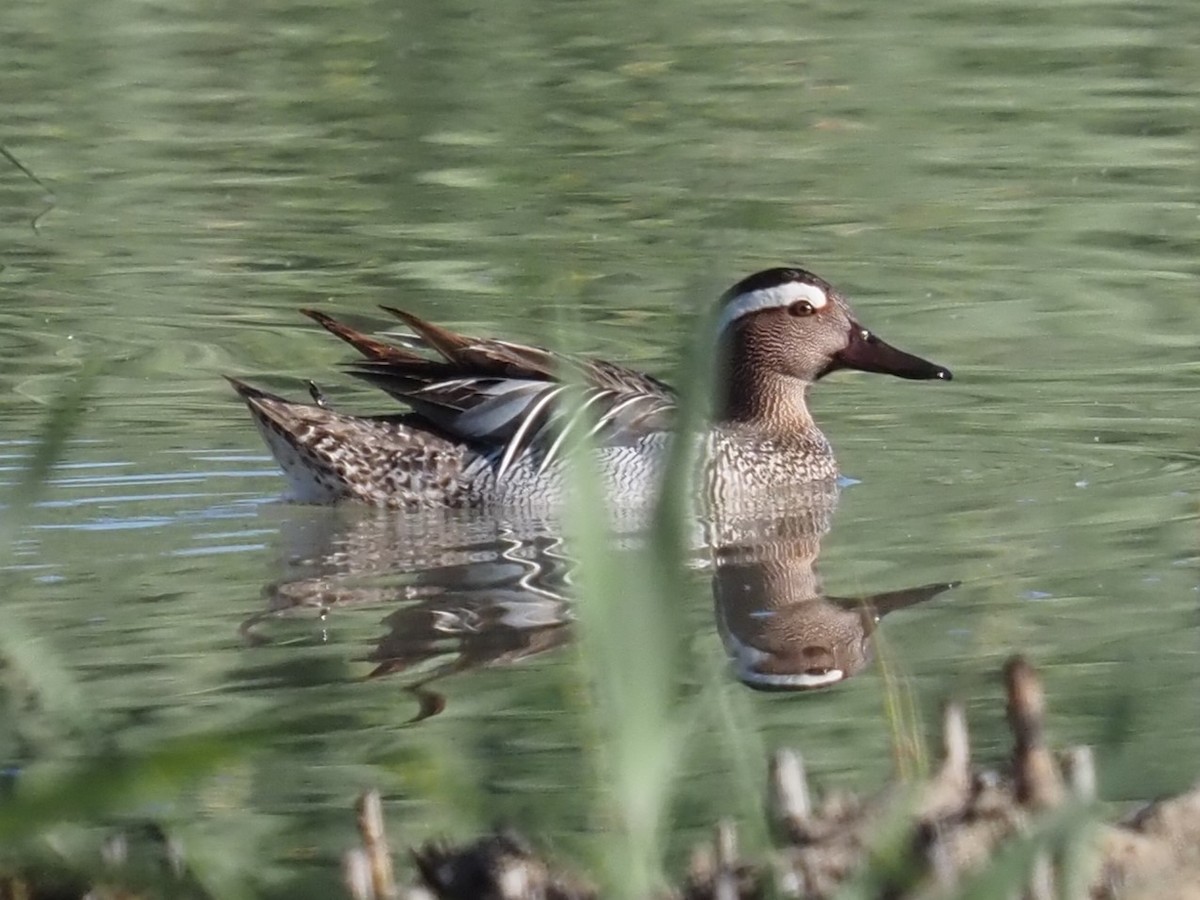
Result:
pixel 1034 828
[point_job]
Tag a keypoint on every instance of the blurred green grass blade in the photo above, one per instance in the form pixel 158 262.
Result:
pixel 629 662
pixel 726 707
pixel 231 858
pixel 671 530
pixel 27 655
pixel 30 659
pixel 103 785
pixel 60 423
pixel 631 603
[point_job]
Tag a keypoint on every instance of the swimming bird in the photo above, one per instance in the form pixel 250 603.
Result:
pixel 488 421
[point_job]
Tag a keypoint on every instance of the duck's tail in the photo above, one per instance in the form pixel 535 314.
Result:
pixel 329 456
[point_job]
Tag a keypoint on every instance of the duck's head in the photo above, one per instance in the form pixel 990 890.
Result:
pixel 795 323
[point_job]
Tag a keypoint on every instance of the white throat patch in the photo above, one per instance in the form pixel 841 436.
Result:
pixel 780 296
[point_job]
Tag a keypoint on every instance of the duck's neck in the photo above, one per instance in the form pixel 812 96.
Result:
pixel 769 402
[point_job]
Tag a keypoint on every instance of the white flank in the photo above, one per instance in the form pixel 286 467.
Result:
pixel 304 486
pixel 780 296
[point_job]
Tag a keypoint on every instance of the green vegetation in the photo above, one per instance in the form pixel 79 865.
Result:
pixel 74 791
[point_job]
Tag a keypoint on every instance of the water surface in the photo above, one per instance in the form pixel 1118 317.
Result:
pixel 1008 189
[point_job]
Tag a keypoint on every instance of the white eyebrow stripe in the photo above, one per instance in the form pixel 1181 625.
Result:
pixel 780 296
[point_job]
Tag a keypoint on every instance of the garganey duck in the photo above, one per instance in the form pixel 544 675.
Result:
pixel 488 419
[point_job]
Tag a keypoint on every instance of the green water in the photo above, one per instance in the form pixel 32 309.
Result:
pixel 1005 188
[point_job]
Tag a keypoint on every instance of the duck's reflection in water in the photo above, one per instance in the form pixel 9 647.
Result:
pixel 492 599
pixel 781 631
pixel 488 626
pixel 480 595
pixel 783 634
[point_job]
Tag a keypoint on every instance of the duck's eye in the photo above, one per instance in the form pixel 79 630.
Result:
pixel 801 308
